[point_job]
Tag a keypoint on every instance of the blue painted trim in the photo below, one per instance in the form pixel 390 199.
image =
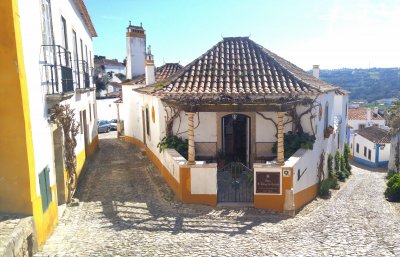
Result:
pixel 383 164
pixel 348 137
pixel 376 153
pixel 371 164
pixel 365 162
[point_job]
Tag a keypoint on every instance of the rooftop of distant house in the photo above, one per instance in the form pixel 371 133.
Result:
pixel 102 60
pixel 375 135
pixel 361 114
pixel 162 73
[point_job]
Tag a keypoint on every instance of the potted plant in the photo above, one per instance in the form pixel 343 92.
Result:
pixel 328 132
pixel 221 156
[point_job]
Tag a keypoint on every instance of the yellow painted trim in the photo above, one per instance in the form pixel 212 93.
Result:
pixel 92 147
pixel 47 221
pixel 183 189
pixel 17 173
pixel 305 196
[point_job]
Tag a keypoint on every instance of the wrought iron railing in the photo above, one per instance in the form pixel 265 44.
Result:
pixel 57 69
pixel 84 72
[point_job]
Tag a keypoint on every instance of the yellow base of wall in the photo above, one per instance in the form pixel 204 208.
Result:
pixel 183 189
pixel 305 196
pixel 47 221
pixel 273 202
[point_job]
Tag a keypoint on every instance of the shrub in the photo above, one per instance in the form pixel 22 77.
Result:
pixel 392 192
pixel 174 142
pixel 294 141
pixel 346 154
pixel 324 187
pixel 330 164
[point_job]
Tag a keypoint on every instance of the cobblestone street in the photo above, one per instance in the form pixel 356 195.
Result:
pixel 126 209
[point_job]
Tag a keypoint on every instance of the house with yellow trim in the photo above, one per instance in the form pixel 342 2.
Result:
pixel 46 59
pixel 233 105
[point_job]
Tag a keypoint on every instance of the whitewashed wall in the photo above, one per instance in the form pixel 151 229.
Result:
pixel 363 142
pixel 384 154
pixel 204 179
pixel 106 109
pixel 31 19
pixel 136 53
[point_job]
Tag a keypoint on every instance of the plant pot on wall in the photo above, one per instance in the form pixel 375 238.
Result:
pixel 328 132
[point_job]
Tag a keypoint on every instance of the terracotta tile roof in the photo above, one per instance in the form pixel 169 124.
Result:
pixel 361 114
pixel 237 67
pixel 376 135
pixel 114 94
pixel 85 16
pixel 162 73
pixel 101 61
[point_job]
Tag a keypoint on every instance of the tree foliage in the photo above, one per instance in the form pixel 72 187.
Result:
pixel 369 84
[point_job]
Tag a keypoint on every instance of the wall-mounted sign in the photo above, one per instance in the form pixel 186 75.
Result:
pixel 268 182
pixel 286 173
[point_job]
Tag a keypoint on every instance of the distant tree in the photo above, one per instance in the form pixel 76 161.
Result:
pixel 124 62
pixel 394 118
pixel 121 76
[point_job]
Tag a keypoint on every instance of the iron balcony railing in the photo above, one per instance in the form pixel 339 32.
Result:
pixel 57 66
pixel 84 73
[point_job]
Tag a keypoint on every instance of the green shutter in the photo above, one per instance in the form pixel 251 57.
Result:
pixel 45 192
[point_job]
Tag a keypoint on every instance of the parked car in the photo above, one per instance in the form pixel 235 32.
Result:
pixel 113 124
pixel 103 126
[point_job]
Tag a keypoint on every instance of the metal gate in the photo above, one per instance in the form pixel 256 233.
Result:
pixel 235 183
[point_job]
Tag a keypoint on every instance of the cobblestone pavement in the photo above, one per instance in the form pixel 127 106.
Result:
pixel 126 209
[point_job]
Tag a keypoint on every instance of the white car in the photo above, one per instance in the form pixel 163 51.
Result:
pixel 113 124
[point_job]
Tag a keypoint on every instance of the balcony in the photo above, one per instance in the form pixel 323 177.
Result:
pixel 57 75
pixel 84 84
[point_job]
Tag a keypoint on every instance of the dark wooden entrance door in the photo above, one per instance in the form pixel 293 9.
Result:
pixel 236 138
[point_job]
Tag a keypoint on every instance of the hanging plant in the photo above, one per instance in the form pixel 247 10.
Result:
pixel 63 116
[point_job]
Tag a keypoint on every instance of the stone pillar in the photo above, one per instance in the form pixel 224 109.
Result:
pixel 191 155
pixel 280 150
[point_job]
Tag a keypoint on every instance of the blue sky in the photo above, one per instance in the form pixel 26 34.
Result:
pixel 334 34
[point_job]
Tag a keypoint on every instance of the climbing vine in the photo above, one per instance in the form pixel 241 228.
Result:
pixel 63 116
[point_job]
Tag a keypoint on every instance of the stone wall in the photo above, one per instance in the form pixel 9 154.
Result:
pixel 17 237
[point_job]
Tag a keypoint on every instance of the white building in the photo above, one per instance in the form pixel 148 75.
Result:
pixel 47 53
pixel 239 98
pixel 372 146
pixel 109 65
pixel 360 118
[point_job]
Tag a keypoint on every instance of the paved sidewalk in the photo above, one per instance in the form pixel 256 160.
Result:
pixel 127 210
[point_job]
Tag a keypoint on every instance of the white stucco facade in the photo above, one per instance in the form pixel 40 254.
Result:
pixel 31 16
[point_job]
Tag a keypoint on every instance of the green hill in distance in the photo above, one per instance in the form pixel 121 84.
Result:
pixel 368 84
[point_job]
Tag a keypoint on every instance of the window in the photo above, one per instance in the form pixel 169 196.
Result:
pixel 47 36
pixel 147 121
pixel 365 151
pixel 81 121
pixel 82 57
pixel 90 112
pixel 357 148
pixel 94 112
pixel 45 191
pixel 326 116
pixel 65 38
pixel 75 55
pixel 369 154
pixel 361 126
